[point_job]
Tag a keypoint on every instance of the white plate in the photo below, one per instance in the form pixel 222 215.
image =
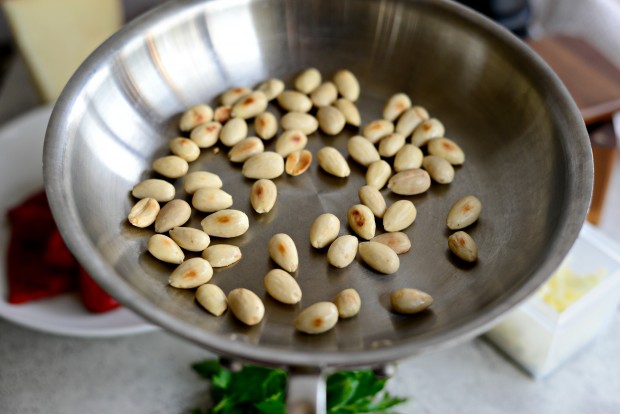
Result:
pixel 21 152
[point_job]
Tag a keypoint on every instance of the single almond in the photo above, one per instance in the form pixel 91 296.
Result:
pixel 348 302
pixel 250 105
pixel 428 129
pixel 342 251
pixel 380 257
pixel 174 213
pixel 222 255
pixel 212 298
pixel 347 84
pixel 271 88
pixel 144 212
pixel 331 120
pixel 266 125
pixel 378 174
pixel 447 149
pixel 395 106
pixel 324 230
pixel 283 251
pixel 191 273
pixel 409 301
pixel 171 166
pixel 317 318
pixel 390 144
pixel 410 182
pixel 268 165
pixel 297 162
pixel 373 199
pixel 206 135
pixel 291 141
pixel 282 287
pixel 232 95
pixel 464 212
pixel 408 158
pixel 397 241
pixel 184 148
pixel 410 119
pixel 194 116
pixel 362 221
pixel 199 179
pixel 165 249
pixel 293 101
pixel 325 94
pixel 246 148
pixel 235 130
pixel 438 168
pixel 399 216
pixel 362 150
pixel 332 161
pixel 190 239
pixel 350 111
pixel 464 246
pixel 300 121
pixel 308 80
pixel 226 223
pixel 155 188
pixel 377 129
pixel 263 195
pixel 222 114
pixel 246 306
pixel 209 200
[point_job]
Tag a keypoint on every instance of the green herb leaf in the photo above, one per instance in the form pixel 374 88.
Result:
pixel 258 390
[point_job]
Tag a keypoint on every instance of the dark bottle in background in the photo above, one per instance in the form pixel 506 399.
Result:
pixel 514 15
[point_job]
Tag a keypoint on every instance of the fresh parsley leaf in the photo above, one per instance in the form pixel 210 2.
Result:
pixel 258 390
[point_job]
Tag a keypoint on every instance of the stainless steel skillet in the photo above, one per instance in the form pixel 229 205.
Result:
pixel 528 160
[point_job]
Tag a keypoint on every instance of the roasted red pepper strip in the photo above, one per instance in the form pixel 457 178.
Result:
pixel 94 298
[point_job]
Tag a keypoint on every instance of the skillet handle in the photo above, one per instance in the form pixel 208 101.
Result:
pixel 306 392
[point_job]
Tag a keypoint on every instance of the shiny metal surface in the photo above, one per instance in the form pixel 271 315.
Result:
pixel 528 160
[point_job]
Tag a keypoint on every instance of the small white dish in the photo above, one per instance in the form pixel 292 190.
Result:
pixel 21 153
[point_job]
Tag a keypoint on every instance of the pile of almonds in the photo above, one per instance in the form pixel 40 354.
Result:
pixel 412 171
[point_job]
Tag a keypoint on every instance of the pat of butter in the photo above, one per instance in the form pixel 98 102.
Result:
pixel 566 287
pixel 55 36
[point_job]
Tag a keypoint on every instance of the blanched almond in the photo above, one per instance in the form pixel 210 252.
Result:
pixel 165 249
pixel 342 251
pixel 235 130
pixel 399 216
pixel 331 120
pixel 332 161
pixel 268 165
pixel 282 287
pixel 325 94
pixel 324 230
pixel 317 318
pixel 233 95
pixel 194 116
pixel 184 148
pixel 378 174
pixel 271 88
pixel 222 255
pixel 263 195
pixel 464 212
pixel 246 148
pixel 222 114
pixel 157 189
pixel 438 168
pixel 464 246
pixel 144 212
pixel 246 306
pixel 291 141
pixel 397 241
pixel 308 80
pixel 209 200
pixel 266 125
pixel 395 106
pixel 199 179
pixel 298 162
pixel 171 166
pixel 410 119
pixel 350 111
pixel 348 303
pixel 362 150
pixel 206 135
pixel 347 85
pixel 410 182
pixel 447 149
pixel 250 105
pixel 212 298
pixel 174 213
pixel 283 251
pixel 408 158
pixel 294 101
pixel 390 144
pixel 226 223
pixel 191 273
pixel 409 301
pixel 362 221
pixel 377 129
pixel 300 121
pixel 373 199
pixel 431 128
pixel 190 239
pixel 380 257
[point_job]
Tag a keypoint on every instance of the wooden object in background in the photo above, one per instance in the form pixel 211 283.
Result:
pixel 594 83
